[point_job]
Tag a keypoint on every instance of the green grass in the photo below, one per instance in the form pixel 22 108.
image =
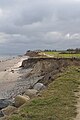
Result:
pixel 57 102
pixel 57 54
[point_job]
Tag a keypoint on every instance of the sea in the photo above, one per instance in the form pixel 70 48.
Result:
pixel 8 56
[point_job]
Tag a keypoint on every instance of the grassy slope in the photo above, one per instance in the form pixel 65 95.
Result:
pixel 57 102
pixel 56 54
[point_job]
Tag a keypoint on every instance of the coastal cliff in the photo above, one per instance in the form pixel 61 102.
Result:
pixel 65 61
pixel 48 67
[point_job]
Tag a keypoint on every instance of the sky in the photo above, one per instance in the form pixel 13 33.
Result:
pixel 39 24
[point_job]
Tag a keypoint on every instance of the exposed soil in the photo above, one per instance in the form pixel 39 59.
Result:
pixel 48 67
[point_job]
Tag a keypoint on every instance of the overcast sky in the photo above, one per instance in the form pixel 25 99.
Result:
pixel 39 24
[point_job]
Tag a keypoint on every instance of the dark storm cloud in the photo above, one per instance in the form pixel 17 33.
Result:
pixel 39 24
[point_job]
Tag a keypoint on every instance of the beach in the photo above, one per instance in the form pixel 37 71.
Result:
pixel 10 77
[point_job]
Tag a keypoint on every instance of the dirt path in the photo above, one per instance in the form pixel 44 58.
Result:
pixel 78 106
pixel 44 54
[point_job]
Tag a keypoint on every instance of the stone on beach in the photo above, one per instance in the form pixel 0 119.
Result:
pixel 1 114
pixel 39 86
pixel 4 103
pixel 9 110
pixel 12 71
pixel 31 92
pixel 20 100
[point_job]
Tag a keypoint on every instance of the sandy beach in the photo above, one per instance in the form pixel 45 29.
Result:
pixel 10 77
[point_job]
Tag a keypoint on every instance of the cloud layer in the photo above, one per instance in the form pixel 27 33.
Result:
pixel 28 24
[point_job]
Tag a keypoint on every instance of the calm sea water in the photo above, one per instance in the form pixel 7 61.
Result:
pixel 5 57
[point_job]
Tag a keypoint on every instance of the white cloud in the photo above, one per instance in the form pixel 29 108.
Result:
pixel 54 35
pixel 75 36
pixel 67 36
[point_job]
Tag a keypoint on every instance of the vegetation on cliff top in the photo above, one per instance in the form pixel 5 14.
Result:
pixel 69 53
pixel 57 102
pixel 57 54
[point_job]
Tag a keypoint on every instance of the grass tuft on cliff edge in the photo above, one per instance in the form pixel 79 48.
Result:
pixel 58 102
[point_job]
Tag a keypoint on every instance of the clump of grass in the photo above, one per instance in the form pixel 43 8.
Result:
pixel 57 102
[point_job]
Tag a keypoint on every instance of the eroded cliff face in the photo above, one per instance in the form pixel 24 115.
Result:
pixel 48 67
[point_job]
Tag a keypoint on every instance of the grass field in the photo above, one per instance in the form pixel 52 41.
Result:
pixel 59 55
pixel 57 102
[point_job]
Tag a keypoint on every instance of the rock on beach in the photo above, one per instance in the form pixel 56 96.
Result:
pixel 39 86
pixel 31 93
pixel 20 100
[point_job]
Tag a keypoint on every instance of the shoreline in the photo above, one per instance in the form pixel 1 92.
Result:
pixel 9 75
